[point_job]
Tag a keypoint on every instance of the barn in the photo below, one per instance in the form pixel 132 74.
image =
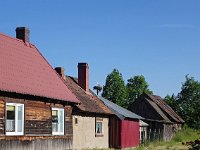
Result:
pixel 124 127
pixel 162 119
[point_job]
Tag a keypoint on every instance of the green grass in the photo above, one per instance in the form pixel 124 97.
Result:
pixel 186 134
pixel 182 136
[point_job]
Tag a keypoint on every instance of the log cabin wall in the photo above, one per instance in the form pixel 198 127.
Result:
pixel 37 126
pixel 2 117
pixel 37 118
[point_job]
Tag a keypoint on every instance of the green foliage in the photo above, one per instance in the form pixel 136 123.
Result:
pixel 182 136
pixel 189 102
pixel 172 102
pixel 186 134
pixel 115 89
pixel 135 87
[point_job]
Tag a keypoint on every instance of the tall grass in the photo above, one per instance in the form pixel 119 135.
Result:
pixel 184 135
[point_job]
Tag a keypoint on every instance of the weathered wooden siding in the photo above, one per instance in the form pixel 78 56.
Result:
pixel 68 121
pixel 2 117
pixel 114 133
pixel 141 107
pixel 168 132
pixel 37 118
pixel 155 130
pixel 37 127
pixel 37 144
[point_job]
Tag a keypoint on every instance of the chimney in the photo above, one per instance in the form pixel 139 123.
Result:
pixel 83 76
pixel 22 33
pixel 60 71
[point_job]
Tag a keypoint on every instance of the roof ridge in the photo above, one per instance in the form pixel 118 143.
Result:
pixel 16 39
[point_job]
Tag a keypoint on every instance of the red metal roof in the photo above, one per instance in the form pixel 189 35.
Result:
pixel 24 70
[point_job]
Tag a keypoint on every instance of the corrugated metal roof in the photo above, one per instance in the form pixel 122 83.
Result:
pixel 143 124
pixel 24 70
pixel 121 112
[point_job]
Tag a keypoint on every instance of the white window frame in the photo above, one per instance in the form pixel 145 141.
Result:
pixel 101 122
pixel 16 119
pixel 59 130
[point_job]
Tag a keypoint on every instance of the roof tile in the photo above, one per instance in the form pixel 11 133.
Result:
pixel 89 101
pixel 24 70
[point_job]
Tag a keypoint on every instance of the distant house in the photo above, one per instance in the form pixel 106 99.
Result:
pixel 91 116
pixel 124 126
pixel 35 104
pixel 163 121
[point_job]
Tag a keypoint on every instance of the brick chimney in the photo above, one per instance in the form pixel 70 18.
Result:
pixel 60 71
pixel 22 33
pixel 83 76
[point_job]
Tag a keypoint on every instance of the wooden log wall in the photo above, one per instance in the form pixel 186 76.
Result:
pixel 38 118
pixel 37 144
pixel 37 126
pixel 2 117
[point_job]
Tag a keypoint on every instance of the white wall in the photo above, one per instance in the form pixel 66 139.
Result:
pixel 84 133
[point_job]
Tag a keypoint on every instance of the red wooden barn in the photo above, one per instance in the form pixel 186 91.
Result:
pixel 124 127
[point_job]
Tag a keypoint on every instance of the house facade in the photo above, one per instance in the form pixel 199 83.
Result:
pixel 124 127
pixel 35 104
pixel 91 116
pixel 163 121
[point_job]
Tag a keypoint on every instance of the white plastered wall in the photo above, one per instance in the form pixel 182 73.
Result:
pixel 84 133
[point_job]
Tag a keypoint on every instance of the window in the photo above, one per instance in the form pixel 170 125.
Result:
pixel 14 119
pixel 99 127
pixel 76 120
pixel 57 121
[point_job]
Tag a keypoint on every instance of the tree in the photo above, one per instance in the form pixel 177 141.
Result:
pixel 189 102
pixel 115 89
pixel 135 87
pixel 172 102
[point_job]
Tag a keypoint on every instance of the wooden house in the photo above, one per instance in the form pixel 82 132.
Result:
pixel 91 116
pixel 162 119
pixel 35 103
pixel 124 127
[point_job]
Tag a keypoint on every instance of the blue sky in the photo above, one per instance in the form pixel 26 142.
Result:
pixel 159 39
